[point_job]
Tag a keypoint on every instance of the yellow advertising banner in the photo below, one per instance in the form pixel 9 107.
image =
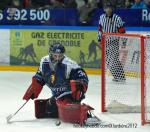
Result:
pixel 27 47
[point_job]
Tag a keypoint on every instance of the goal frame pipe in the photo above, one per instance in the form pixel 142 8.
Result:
pixel 142 81
pixel 143 90
pixel 103 73
pixel 122 35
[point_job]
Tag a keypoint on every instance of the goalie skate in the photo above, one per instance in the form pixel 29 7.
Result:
pixel 92 119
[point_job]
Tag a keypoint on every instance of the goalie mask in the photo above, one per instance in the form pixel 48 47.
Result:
pixel 56 52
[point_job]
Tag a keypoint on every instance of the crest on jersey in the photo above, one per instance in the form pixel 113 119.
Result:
pixel 52 79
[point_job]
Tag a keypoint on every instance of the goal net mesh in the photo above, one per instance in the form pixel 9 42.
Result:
pixel 122 74
pixel 147 78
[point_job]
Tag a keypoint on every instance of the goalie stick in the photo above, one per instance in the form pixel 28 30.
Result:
pixel 8 118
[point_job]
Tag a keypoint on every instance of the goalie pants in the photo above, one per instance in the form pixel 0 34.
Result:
pixel 112 59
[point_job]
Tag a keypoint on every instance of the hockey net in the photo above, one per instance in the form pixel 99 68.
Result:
pixel 126 74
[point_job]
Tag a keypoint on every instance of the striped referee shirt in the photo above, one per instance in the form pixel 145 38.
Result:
pixel 113 24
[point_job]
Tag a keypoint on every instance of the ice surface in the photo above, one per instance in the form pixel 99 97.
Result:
pixel 14 84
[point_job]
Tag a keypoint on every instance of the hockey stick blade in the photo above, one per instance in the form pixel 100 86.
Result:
pixel 8 118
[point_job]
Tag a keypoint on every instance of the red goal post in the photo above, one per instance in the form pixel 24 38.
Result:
pixel 126 74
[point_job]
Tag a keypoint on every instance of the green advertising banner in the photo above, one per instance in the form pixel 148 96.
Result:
pixel 27 47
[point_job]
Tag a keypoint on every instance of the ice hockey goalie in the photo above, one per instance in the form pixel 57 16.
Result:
pixel 68 83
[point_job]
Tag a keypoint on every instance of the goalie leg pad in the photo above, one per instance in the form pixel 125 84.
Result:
pixel 46 108
pixel 73 112
pixel 40 106
pixel 51 108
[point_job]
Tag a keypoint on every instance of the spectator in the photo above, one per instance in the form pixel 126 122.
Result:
pixel 14 5
pixel 48 4
pixel 71 4
pixel 4 4
pixel 94 3
pixel 57 3
pixel 128 4
pixel 80 3
pixel 139 4
pixel 99 3
pixel 37 3
pixel 17 4
pixel 115 3
pixel 85 13
pixel 120 3
pixel 26 3
pixel 147 2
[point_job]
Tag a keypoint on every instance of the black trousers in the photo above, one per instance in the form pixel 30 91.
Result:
pixel 112 59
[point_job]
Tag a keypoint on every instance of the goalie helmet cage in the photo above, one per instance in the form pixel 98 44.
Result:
pixel 126 74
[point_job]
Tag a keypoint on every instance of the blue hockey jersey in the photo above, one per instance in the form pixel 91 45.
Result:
pixel 58 78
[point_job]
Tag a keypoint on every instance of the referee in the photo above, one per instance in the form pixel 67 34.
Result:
pixel 112 23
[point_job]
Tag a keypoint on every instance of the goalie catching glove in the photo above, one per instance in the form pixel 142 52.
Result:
pixel 78 88
pixel 34 90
